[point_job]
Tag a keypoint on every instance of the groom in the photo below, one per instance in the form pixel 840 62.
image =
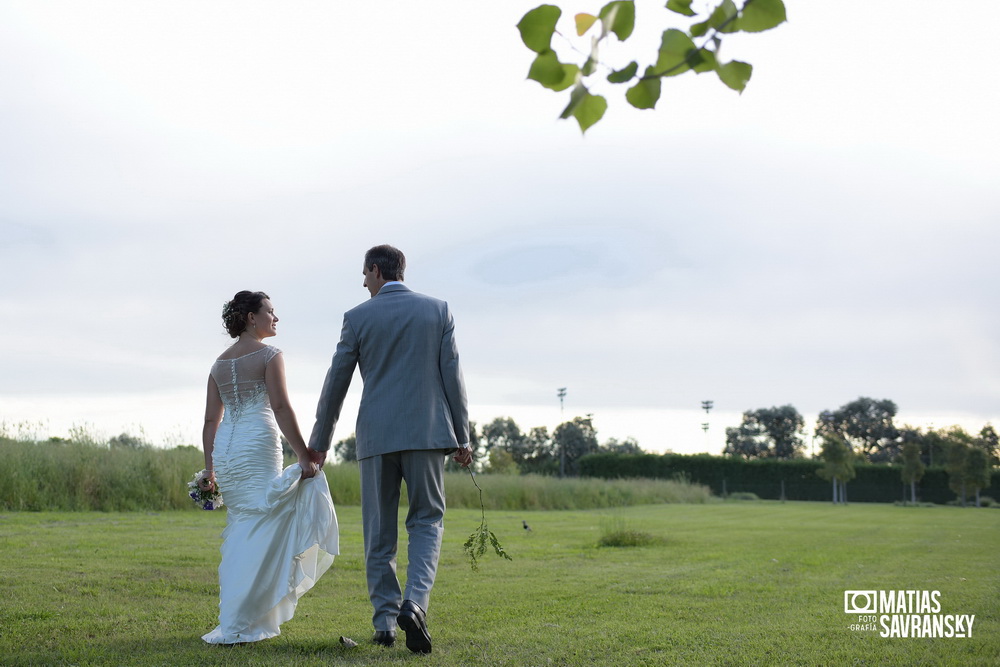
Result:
pixel 413 414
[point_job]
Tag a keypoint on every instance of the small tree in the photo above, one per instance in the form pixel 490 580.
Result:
pixel 990 442
pixel 748 440
pixel 626 446
pixel 573 440
pixel 347 449
pixel 977 470
pixel 839 468
pixel 866 424
pixel 913 467
pixel 501 462
pixel 958 454
pixel 774 432
pixel 934 446
pixel 504 433
pixel 543 458
pixel 127 441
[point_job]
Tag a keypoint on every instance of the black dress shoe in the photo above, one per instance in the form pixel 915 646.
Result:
pixel 385 637
pixel 411 618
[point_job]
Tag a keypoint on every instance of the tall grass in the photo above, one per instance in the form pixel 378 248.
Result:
pixel 74 475
pixel 618 531
pixel 86 475
pixel 537 492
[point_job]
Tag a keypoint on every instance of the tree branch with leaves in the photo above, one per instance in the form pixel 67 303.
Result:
pixel 696 49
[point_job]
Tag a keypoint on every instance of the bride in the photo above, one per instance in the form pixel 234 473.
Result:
pixel 281 529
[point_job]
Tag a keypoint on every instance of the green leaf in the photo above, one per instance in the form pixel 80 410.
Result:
pixel 497 547
pixel 590 110
pixel 724 18
pixel 621 16
pixel 646 93
pixel 586 108
pixel 699 29
pixel 735 74
pixel 625 74
pixel 577 94
pixel 570 73
pixel 707 62
pixel 695 60
pixel 583 23
pixel 673 54
pixel 681 7
pixel 537 27
pixel 546 69
pixel 761 15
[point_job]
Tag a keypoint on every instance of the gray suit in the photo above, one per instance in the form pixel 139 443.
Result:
pixel 413 411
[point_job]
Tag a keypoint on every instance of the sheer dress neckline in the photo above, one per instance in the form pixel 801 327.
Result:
pixel 242 383
pixel 242 356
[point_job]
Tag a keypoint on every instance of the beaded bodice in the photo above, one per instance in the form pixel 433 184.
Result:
pixel 241 382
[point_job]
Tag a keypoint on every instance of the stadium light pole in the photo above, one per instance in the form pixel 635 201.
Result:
pixel 706 406
pixel 561 393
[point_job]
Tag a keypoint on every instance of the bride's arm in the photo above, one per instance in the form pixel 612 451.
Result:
pixel 277 393
pixel 213 415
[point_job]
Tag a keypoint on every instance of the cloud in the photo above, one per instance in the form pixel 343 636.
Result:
pixel 828 234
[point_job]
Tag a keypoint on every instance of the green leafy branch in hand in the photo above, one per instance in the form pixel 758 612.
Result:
pixel 677 54
pixel 475 546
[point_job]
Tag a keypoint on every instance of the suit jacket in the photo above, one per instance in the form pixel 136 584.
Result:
pixel 414 392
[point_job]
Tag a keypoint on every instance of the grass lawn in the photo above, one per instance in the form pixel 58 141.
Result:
pixel 724 584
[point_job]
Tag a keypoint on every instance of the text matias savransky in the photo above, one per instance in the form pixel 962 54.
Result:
pixel 905 614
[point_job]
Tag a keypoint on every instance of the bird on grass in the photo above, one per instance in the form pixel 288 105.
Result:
pixel 526 526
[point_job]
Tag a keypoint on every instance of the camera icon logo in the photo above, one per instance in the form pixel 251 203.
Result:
pixel 860 602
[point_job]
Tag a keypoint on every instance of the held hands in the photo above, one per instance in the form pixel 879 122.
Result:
pixel 309 469
pixel 319 458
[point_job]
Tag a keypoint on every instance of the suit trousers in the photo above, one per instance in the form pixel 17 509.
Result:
pixel 423 472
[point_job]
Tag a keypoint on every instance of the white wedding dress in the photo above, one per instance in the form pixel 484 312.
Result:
pixel 281 532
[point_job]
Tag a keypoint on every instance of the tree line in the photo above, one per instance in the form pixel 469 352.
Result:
pixel 864 431
pixel 780 479
pixel 502 447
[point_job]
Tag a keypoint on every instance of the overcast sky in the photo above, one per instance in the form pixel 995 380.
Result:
pixel 831 233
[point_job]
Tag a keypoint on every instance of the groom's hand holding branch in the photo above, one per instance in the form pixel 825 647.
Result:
pixel 463 456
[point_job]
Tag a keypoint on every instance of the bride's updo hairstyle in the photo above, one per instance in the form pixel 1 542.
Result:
pixel 234 313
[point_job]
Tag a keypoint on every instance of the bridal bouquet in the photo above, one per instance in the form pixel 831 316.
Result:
pixel 208 499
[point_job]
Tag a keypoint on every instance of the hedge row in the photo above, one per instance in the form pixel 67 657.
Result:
pixel 797 479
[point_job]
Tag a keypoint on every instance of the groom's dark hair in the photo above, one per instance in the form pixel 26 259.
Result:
pixel 390 261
